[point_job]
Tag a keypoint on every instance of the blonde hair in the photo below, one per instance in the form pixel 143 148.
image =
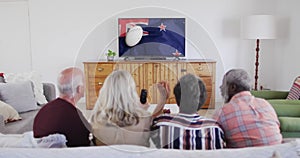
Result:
pixel 118 102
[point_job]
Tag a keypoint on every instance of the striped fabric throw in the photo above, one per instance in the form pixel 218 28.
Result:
pixel 189 132
pixel 294 93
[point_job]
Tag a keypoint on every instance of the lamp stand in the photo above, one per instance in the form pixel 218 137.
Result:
pixel 256 64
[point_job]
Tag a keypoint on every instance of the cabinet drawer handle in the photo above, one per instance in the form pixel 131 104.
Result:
pixel 100 69
pixel 100 83
pixel 200 69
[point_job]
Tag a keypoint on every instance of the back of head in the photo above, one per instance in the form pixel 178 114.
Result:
pixel 190 93
pixel 118 101
pixel 240 78
pixel 68 81
pixel 235 81
pixel 120 85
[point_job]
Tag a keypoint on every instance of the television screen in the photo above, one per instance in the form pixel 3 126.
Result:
pixel 162 37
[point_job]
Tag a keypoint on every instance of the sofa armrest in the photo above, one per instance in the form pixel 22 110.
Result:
pixel 269 94
pixel 49 91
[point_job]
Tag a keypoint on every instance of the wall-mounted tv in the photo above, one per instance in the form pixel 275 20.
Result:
pixel 162 37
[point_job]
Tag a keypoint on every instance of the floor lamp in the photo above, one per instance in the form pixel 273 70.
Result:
pixel 258 27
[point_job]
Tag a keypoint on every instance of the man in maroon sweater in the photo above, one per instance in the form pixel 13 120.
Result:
pixel 60 115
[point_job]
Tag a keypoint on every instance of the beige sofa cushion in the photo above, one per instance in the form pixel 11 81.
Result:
pixel 9 113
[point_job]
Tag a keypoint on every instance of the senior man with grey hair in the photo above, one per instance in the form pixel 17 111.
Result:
pixel 247 121
pixel 61 115
pixel 187 130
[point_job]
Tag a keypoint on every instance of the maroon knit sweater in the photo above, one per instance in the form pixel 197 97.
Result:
pixel 60 116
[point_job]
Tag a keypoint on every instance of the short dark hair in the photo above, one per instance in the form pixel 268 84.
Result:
pixel 202 90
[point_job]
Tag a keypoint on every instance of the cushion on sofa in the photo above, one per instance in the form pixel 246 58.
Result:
pixel 17 140
pixel 9 113
pixel 19 95
pixel 287 108
pixel 294 93
pixel 49 91
pixel 26 140
pixel 52 141
pixel 290 124
pixel 290 134
pixel 35 78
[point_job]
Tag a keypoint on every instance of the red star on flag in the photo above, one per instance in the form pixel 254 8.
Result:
pixel 162 27
pixel 176 54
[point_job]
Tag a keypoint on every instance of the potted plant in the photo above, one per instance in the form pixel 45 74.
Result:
pixel 110 55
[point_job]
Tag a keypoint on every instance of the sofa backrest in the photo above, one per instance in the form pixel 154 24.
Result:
pixel 286 150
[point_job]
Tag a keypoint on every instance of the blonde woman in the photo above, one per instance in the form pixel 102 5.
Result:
pixel 118 117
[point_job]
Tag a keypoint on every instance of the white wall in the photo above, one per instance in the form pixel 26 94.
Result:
pixel 287 50
pixel 62 32
pixel 14 37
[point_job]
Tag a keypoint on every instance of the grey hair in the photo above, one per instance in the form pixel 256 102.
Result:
pixel 240 78
pixel 69 88
pixel 190 93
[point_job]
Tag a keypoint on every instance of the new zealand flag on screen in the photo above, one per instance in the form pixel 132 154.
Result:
pixel 161 37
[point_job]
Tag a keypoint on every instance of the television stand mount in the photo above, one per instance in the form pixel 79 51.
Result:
pixel 176 58
pixel 145 58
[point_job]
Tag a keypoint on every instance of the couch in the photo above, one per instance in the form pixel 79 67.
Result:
pixel 286 150
pixel 26 124
pixel 288 111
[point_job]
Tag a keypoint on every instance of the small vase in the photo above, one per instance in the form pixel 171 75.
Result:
pixel 110 58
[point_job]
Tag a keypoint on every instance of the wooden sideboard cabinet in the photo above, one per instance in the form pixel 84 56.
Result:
pixel 147 73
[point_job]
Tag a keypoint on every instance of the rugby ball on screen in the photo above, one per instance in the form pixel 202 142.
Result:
pixel 134 35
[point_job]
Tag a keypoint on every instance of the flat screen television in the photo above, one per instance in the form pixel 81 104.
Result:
pixel 162 37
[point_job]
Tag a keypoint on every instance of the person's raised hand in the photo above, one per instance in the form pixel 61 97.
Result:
pixel 164 89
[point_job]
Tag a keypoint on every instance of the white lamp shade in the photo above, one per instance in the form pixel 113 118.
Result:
pixel 258 27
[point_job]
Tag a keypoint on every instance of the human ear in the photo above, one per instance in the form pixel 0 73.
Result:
pixel 80 89
pixel 232 87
